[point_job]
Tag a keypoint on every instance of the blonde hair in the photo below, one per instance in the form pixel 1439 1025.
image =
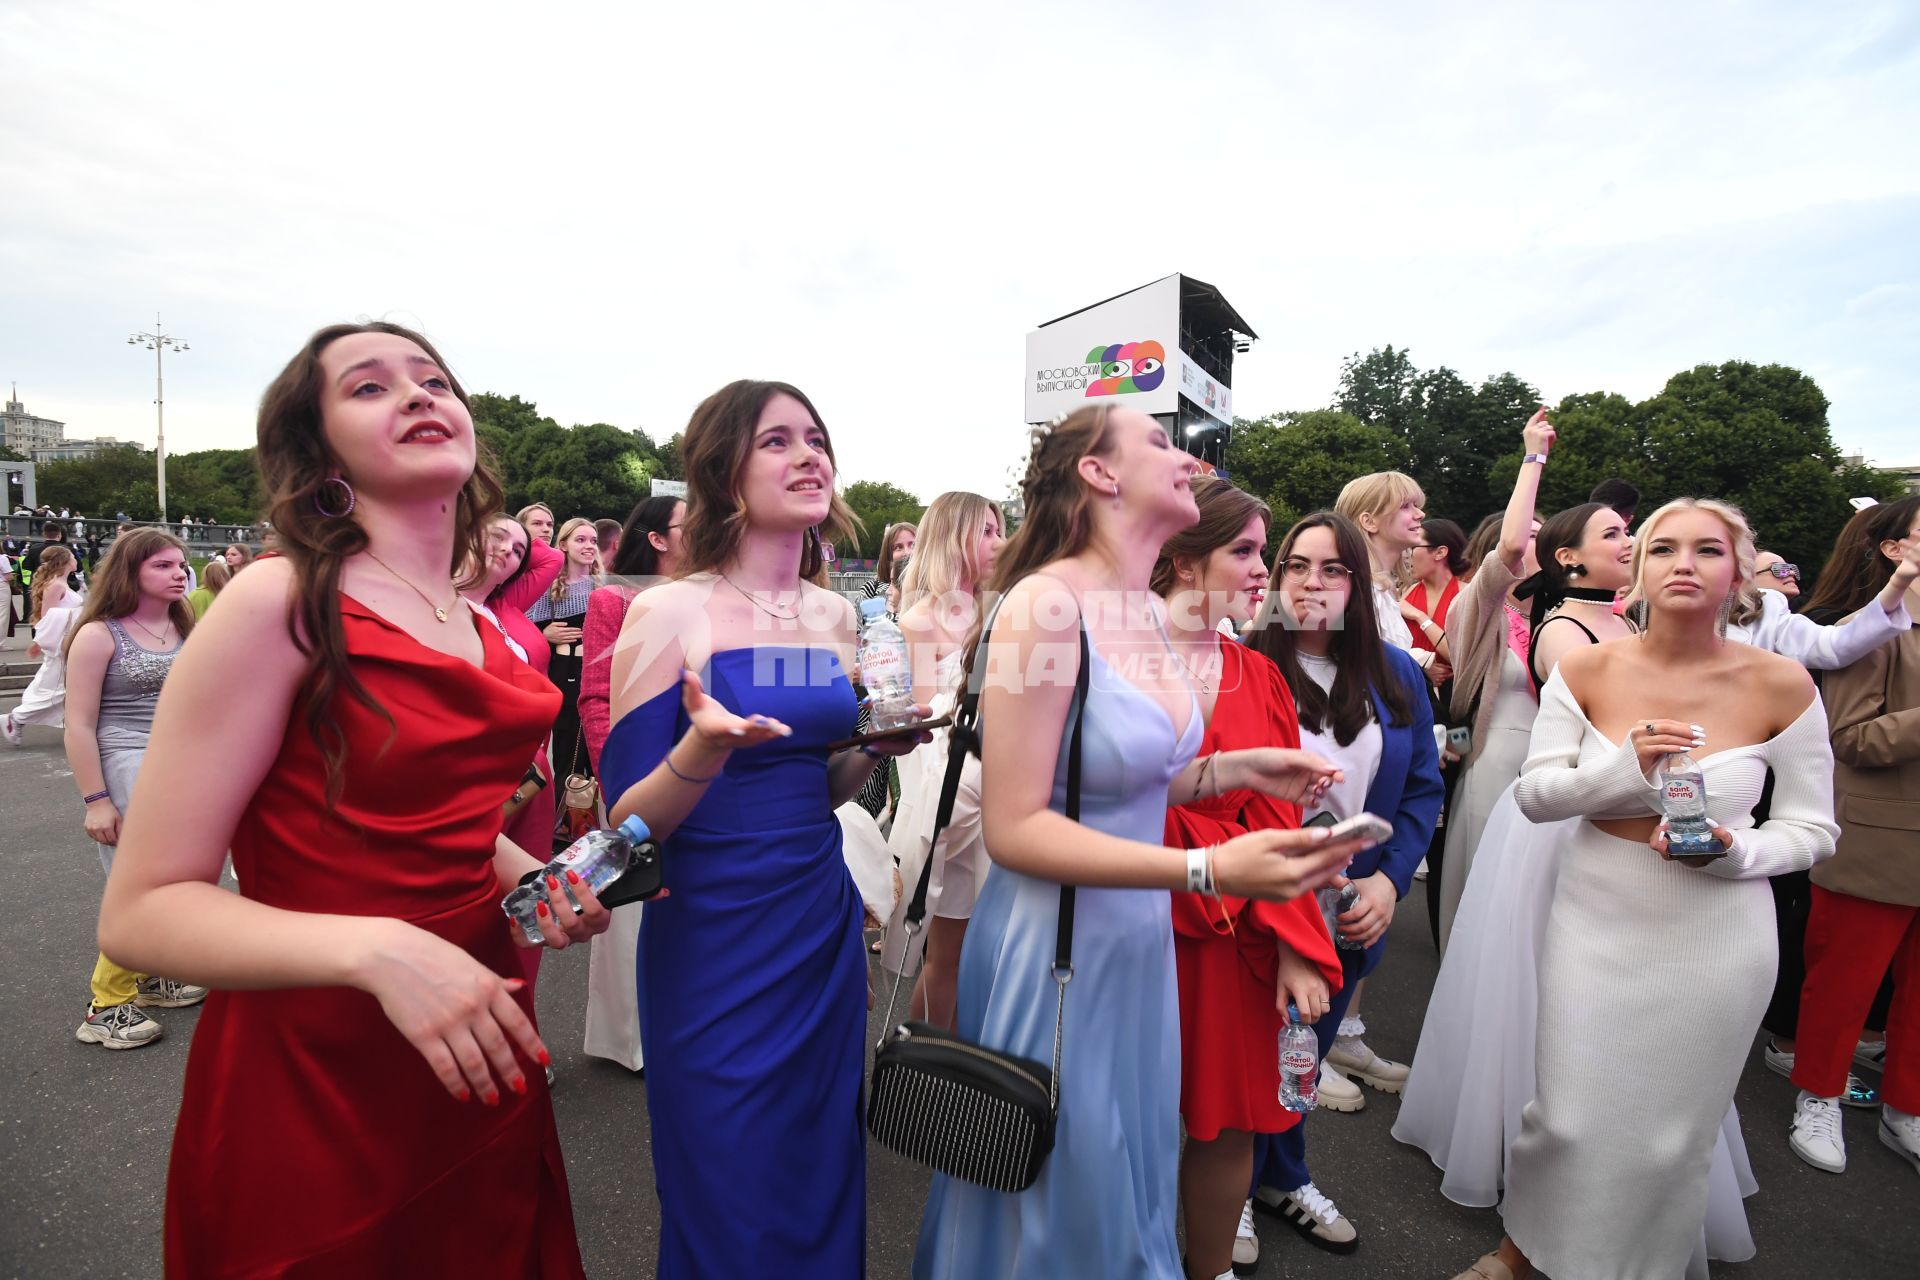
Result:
pixel 946 547
pixel 567 530
pixel 1378 495
pixel 216 575
pixel 52 557
pixel 1743 605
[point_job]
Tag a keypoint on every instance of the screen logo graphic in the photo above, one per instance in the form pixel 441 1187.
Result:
pixel 1127 367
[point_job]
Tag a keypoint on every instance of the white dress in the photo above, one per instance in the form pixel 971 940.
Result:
pixel 45 700
pixel 1487 778
pixel 1653 977
pixel 962 865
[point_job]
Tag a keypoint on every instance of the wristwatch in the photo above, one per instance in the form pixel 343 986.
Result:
pixel 1540 458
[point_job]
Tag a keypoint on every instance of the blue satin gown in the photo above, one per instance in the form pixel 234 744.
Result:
pixel 753 986
pixel 1104 1203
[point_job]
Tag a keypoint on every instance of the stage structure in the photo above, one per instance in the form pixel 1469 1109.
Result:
pixel 1165 348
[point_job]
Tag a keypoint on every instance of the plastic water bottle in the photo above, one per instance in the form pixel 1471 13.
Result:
pixel 1333 904
pixel 1683 796
pixel 1299 1064
pixel 883 667
pixel 599 858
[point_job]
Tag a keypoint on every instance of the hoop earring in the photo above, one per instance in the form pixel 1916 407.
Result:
pixel 321 507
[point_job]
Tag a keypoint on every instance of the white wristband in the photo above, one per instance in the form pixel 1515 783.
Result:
pixel 1196 871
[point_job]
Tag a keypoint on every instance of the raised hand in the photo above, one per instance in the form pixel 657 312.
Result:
pixel 1284 773
pixel 720 728
pixel 1538 435
pixel 1279 866
pixel 460 1015
pixel 1655 740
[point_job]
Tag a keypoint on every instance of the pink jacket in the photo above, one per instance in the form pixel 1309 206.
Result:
pixel 606 612
pixel 510 602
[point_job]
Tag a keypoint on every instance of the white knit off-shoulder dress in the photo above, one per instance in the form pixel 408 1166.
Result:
pixel 1653 979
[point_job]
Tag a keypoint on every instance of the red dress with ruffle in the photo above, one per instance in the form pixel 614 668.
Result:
pixel 313 1139
pixel 1225 949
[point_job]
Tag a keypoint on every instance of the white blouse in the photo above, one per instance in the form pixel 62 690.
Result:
pixel 1792 635
pixel 1574 772
pixel 1359 759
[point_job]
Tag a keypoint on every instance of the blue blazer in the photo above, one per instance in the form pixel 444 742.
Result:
pixel 1407 790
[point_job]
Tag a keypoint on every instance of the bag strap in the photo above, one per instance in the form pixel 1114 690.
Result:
pixel 964 739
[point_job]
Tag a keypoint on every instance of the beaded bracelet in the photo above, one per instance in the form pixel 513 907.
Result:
pixel 98 795
pixel 668 758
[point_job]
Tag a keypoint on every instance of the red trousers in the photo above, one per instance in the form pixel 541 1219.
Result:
pixel 1850 942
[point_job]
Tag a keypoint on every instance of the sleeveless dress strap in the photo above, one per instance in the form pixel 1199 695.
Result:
pixel 1533 647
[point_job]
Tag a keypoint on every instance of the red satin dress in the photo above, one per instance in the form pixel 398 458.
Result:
pixel 313 1140
pixel 1224 949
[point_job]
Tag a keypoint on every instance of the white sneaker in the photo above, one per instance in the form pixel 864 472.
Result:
pixel 1816 1135
pixel 10 729
pixel 168 993
pixel 1246 1245
pixel 1901 1134
pixel 1337 1093
pixel 1858 1093
pixel 1351 1055
pixel 1420 872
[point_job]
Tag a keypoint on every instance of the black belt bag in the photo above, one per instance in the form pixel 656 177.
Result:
pixel 974 1113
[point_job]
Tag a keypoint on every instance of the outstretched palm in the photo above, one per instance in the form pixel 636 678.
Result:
pixel 721 727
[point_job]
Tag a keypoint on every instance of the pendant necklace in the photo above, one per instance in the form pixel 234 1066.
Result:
pixel 760 604
pixel 439 613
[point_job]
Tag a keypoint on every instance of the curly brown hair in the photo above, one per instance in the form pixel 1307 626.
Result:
pixel 294 462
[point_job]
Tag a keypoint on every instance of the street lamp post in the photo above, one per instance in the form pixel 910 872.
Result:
pixel 159 342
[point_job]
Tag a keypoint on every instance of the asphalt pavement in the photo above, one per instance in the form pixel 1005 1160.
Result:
pixel 84 1132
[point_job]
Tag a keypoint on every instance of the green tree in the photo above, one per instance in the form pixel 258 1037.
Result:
pixel 1453 431
pixel 879 504
pixel 671 465
pixel 1299 461
pixel 598 470
pixel 100 485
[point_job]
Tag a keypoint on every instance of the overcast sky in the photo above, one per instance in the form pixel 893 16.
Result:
pixel 611 209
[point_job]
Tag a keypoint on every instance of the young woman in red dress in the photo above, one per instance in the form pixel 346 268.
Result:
pixel 1240 962
pixel 367 1043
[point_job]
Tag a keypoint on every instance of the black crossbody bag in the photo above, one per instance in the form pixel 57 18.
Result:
pixel 974 1113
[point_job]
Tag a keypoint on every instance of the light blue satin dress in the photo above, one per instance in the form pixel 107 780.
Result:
pixel 1104 1203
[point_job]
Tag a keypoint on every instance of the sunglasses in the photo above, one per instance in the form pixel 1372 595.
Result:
pixel 1783 571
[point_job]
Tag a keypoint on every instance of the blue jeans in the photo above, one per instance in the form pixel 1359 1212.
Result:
pixel 1280 1159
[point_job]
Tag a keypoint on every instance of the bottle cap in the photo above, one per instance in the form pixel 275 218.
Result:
pixel 635 830
pixel 873 607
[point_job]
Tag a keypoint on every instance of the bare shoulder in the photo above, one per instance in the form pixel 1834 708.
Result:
pixel 1785 683
pixel 91 641
pixel 830 604
pixel 669 603
pixel 1045 601
pixel 1587 666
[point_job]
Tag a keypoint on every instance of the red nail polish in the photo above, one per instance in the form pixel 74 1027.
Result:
pixel 540 908
pixel 464 1095
pixel 518 1084
pixel 553 886
pixel 573 877
pixel 491 1098
pixel 515 984
pixel 546 1059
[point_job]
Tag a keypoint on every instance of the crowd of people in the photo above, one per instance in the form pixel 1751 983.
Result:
pixel 1179 703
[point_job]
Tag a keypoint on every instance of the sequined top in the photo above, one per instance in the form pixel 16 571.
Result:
pixel 131 686
pixel 570 607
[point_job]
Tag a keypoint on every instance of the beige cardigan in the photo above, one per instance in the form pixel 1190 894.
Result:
pixel 1476 637
pixel 1873 709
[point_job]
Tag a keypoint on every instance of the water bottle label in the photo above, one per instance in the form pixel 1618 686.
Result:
pixel 1298 1062
pixel 575 854
pixel 1682 791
